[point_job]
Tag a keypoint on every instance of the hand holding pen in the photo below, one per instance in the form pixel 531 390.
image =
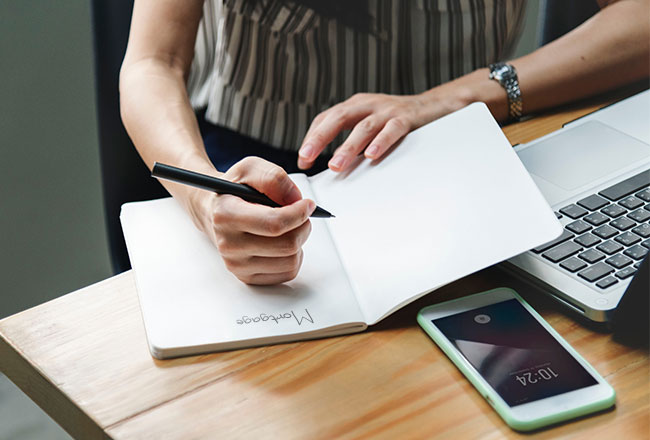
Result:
pixel 259 244
pixel 220 186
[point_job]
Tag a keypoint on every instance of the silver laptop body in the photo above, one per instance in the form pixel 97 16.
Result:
pixel 595 173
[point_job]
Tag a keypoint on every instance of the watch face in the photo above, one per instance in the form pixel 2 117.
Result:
pixel 504 72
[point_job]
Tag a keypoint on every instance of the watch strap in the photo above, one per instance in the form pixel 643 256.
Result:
pixel 510 83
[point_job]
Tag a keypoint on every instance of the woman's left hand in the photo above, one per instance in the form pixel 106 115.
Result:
pixel 377 122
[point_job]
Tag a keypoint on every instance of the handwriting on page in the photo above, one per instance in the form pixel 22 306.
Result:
pixel 263 317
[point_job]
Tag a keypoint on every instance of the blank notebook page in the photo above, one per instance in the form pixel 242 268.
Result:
pixel 452 199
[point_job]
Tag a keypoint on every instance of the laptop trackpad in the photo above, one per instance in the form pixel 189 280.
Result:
pixel 582 154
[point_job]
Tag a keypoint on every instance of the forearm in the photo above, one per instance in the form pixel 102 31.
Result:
pixel 608 51
pixel 154 104
pixel 160 121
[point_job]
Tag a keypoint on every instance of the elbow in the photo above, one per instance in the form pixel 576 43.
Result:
pixel 131 89
pixel 123 87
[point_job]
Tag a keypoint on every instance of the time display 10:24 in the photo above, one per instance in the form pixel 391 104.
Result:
pixel 531 377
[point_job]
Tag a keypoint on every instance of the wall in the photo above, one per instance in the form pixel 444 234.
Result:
pixel 51 221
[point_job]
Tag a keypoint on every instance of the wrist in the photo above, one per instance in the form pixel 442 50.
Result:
pixel 472 87
pixel 479 87
pixel 196 202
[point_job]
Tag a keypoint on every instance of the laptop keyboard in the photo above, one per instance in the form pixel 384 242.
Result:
pixel 607 234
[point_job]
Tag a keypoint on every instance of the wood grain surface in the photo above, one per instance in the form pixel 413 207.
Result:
pixel 84 359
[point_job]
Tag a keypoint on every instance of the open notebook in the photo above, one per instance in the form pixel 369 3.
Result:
pixel 452 199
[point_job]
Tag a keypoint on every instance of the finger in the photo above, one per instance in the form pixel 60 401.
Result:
pixel 235 214
pixel 308 151
pixel 270 279
pixel 393 131
pixel 316 122
pixel 325 131
pixel 267 178
pixel 252 266
pixel 243 244
pixel 285 245
pixel 361 135
pixel 291 264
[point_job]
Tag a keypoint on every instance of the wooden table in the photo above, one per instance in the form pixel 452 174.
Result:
pixel 83 358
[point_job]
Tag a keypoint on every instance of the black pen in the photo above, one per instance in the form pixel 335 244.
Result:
pixel 220 186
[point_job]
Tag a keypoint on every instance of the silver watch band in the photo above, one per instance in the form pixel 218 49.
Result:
pixel 506 75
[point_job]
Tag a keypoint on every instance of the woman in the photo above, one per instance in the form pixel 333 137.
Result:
pixel 275 77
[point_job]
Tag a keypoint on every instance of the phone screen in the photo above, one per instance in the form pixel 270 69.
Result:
pixel 514 353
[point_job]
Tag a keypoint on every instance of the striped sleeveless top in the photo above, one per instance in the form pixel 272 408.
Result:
pixel 266 68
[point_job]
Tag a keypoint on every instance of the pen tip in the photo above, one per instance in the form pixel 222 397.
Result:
pixel 321 213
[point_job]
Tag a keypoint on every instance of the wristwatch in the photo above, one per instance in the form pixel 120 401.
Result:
pixel 506 75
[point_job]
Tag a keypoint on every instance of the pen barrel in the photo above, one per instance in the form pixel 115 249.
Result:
pixel 220 186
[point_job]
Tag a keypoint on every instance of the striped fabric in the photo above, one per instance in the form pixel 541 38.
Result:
pixel 266 68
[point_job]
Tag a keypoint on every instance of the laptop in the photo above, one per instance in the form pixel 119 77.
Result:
pixel 595 174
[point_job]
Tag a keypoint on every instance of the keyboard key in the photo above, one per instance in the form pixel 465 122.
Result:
pixel 644 195
pixel 596 272
pixel 593 202
pixel 592 256
pixel 605 232
pixel 573 264
pixel 642 230
pixel 558 215
pixel 587 240
pixel 637 265
pixel 596 218
pixel 562 251
pixel 607 282
pixel 573 211
pixel 647 207
pixel 637 252
pixel 628 239
pixel 623 223
pixel 640 215
pixel 614 211
pixel 618 261
pixel 627 187
pixel 626 273
pixel 631 202
pixel 646 243
pixel 566 235
pixel 578 226
pixel 609 247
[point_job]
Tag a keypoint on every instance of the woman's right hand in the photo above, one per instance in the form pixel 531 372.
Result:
pixel 259 244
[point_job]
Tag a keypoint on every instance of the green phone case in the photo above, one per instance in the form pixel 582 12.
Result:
pixel 491 395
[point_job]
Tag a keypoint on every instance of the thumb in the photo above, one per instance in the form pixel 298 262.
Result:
pixel 266 177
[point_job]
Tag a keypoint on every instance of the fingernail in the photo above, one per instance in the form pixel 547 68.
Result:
pixel 337 162
pixel 307 151
pixel 372 151
pixel 303 164
pixel 311 207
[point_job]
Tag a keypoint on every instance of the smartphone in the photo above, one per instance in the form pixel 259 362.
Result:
pixel 517 362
